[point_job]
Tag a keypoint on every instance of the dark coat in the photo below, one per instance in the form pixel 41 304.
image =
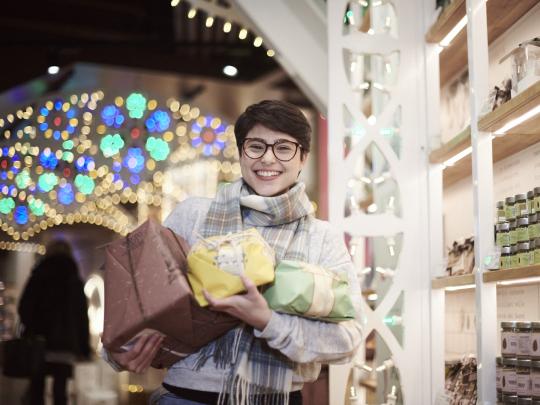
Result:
pixel 54 306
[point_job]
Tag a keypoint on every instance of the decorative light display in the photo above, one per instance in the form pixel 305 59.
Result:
pixel 109 151
pixel 158 121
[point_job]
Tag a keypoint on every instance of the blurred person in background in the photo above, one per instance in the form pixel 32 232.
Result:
pixel 53 305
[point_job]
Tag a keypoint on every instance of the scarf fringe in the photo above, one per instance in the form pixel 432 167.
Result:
pixel 245 393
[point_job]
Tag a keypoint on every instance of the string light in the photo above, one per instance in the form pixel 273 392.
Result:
pixel 192 13
pixel 209 22
pixel 227 27
pixel 243 33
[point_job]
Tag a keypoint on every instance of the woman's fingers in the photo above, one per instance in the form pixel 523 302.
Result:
pixel 146 354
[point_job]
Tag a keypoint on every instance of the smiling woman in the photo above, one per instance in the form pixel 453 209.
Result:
pixel 269 357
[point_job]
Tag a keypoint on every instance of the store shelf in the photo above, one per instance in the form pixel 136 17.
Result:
pixel 501 15
pixel 515 140
pixel 452 281
pixel 512 274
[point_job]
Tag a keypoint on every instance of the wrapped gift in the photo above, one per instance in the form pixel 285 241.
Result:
pixel 215 264
pixel 146 290
pixel 311 291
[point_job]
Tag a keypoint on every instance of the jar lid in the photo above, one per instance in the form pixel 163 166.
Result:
pixel 520 197
pixel 513 223
pixel 505 250
pixel 537 241
pixel 533 218
pixel 535 364
pixel 499 360
pixel 509 399
pixel 532 244
pixel 522 246
pixel 524 362
pixel 511 200
pixel 522 221
pixel 535 325
pixel 504 226
pixel 537 190
pixel 500 204
pixel 524 401
pixel 523 325
pixel 513 249
pixel 530 194
pixel 508 324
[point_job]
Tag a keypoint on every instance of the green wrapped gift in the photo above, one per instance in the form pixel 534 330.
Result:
pixel 307 290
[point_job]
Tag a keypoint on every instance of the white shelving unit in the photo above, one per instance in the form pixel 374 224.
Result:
pixel 479 150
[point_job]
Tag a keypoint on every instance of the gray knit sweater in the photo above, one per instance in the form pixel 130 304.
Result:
pixel 307 342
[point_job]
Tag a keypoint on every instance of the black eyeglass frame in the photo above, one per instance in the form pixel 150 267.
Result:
pixel 271 145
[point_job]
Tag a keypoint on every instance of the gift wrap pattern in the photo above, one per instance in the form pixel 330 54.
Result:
pixel 311 291
pixel 216 262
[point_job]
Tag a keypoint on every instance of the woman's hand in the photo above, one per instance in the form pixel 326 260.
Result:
pixel 250 307
pixel 140 356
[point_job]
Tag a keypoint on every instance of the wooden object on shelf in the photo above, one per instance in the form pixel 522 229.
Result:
pixel 511 274
pixel 517 139
pixel 452 281
pixel 501 15
pixel 516 107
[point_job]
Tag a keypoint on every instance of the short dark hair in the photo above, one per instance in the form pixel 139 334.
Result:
pixel 278 116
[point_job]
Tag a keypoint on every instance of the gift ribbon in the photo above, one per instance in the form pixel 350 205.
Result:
pixel 134 280
pixel 323 295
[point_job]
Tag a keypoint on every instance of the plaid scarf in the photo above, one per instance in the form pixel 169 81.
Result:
pixel 283 221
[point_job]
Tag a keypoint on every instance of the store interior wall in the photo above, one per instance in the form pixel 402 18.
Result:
pixel 516 174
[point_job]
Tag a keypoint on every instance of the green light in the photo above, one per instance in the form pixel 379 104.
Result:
pixel 23 179
pixel 47 182
pixel 111 144
pixel 84 183
pixel 68 156
pixel 68 144
pixel 349 14
pixel 136 104
pixel 6 205
pixel 37 207
pixel 158 148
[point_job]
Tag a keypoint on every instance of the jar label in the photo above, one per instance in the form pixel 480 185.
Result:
pixel 530 205
pixel 537 203
pixel 509 385
pixel 535 382
pixel 534 344
pixel 524 340
pixel 509 343
pixel 523 234
pixel 521 208
pixel 523 259
pixel 524 384
pixel 510 210
pixel 505 262
pixel 537 256
pixel 536 229
pixel 514 261
pixel 513 237
pixel 532 231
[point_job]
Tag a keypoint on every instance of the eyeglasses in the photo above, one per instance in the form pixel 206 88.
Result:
pixel 282 149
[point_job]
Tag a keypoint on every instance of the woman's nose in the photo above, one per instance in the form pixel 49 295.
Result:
pixel 268 156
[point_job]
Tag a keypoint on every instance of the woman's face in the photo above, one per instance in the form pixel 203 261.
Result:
pixel 267 175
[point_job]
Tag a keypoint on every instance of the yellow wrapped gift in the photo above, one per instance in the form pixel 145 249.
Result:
pixel 216 262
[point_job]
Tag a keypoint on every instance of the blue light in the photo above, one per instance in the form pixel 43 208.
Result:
pixel 48 160
pixel 44 111
pixel 196 128
pixel 65 194
pixel 134 160
pixel 207 151
pixel 58 105
pixel 158 121
pixel 43 126
pixel 112 116
pixel 196 142
pixel 83 163
pixel 116 167
pixel 135 179
pixel 71 113
pixel 116 177
pixel 3 175
pixel 56 134
pixel 21 215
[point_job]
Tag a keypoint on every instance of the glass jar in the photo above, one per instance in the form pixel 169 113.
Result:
pixel 505 258
pixel 501 212
pixel 509 376
pixel 513 232
pixel 503 234
pixel 533 226
pixel 522 229
pixel 514 259
pixel 523 375
pixel 523 254
pixel 510 209
pixel 498 374
pixel 537 199
pixel 523 332
pixel 509 339
pixel 530 202
pixel 535 379
pixel 534 341
pixel 520 205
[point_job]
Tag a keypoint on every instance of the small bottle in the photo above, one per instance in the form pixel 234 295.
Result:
pixel 498 375
pixel 533 226
pixel 503 234
pixel 505 258
pixel 514 258
pixel 521 205
pixel 535 379
pixel 523 332
pixel 509 339
pixel 522 229
pixel 509 378
pixel 530 202
pixel 509 207
pixel 523 254
pixel 501 213
pixel 537 199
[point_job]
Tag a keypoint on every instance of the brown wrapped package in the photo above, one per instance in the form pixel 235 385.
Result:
pixel 146 289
